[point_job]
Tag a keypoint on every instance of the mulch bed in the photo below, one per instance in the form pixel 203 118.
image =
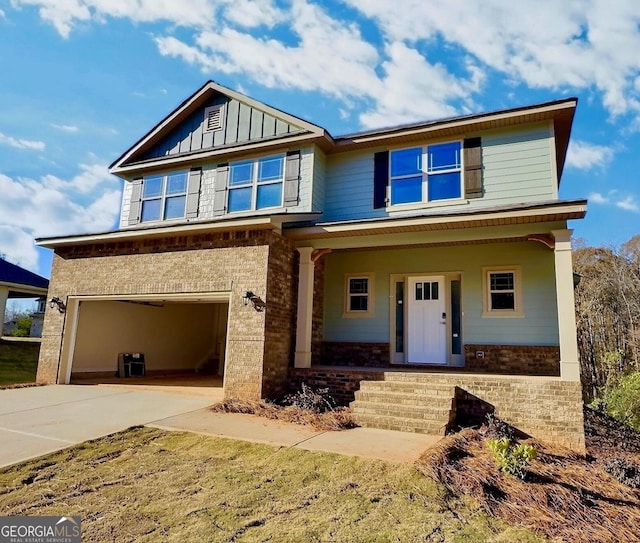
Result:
pixel 565 497
pixel 338 418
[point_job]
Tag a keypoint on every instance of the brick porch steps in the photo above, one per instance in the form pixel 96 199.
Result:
pixel 406 405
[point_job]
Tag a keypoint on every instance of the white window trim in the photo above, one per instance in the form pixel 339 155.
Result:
pixel 425 202
pixel 370 312
pixel 518 311
pixel 163 197
pixel 254 184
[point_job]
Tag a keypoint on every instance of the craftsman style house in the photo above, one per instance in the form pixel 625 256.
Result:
pixel 405 265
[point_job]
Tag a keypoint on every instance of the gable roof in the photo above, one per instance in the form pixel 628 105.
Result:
pixel 14 275
pixel 138 153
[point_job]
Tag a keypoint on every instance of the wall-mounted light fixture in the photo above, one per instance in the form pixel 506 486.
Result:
pixel 55 301
pixel 257 302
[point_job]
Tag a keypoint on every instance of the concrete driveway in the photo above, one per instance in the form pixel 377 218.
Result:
pixel 39 420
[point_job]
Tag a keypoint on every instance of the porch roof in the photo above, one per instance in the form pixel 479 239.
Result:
pixel 453 219
pixel 21 283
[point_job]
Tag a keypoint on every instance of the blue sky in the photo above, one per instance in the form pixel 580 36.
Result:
pixel 82 80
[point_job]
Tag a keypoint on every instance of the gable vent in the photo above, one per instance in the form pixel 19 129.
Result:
pixel 213 118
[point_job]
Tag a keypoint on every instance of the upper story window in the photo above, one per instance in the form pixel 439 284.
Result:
pixel 164 197
pixel 256 184
pixel 426 174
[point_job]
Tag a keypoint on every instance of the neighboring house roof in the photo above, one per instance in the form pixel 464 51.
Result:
pixel 21 281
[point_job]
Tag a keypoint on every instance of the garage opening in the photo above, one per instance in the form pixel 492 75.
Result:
pixel 173 342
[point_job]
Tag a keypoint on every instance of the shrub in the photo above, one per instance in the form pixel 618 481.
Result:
pixel 512 459
pixel 318 401
pixel 623 401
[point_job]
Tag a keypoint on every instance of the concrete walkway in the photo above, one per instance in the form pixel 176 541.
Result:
pixel 39 420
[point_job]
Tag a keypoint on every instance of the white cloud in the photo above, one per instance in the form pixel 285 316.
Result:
pixel 584 156
pixel 598 198
pixel 18 247
pixel 628 204
pixel 21 144
pixel 66 128
pixel 50 206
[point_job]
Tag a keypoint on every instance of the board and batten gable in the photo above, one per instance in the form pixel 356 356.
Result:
pixel 518 166
pixel 239 123
pixel 312 165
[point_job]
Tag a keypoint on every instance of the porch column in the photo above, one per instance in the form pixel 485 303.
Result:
pixel 569 359
pixel 304 320
pixel 4 296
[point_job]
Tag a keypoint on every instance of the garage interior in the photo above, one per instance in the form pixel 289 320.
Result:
pixel 180 342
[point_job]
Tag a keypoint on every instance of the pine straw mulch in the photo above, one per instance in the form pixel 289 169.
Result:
pixel 338 418
pixel 566 497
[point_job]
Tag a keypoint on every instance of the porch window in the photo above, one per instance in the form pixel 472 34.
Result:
pixel 426 174
pixel 502 292
pixel 256 184
pixel 358 295
pixel 164 197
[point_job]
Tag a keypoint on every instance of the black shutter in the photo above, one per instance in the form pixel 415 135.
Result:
pixel 135 209
pixel 473 187
pixel 380 179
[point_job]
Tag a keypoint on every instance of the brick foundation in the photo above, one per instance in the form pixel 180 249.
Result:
pixel 363 355
pixel 513 359
pixel 498 359
pixel 342 384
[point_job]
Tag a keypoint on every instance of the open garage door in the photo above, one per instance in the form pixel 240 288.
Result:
pixel 176 338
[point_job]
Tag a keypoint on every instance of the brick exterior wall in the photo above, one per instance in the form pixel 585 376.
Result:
pixel 364 355
pixel 498 359
pixel 234 262
pixel 318 311
pixel 513 359
pixel 342 384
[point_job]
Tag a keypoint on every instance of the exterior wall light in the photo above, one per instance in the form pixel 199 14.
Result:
pixel 55 301
pixel 257 302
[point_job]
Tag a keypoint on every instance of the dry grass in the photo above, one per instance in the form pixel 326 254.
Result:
pixel 566 497
pixel 337 419
pixel 147 485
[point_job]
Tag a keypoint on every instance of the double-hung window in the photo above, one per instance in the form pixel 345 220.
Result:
pixel 359 295
pixel 502 292
pixel 164 197
pixel 256 184
pixel 426 174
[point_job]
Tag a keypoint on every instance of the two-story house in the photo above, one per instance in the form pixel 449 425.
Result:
pixel 417 266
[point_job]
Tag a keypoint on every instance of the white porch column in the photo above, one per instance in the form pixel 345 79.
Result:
pixel 304 322
pixel 569 359
pixel 4 296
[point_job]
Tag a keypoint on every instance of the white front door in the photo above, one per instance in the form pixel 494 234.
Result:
pixel 427 325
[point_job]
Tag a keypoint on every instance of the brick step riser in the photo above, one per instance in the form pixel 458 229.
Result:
pixel 439 402
pixel 415 388
pixel 401 425
pixel 404 411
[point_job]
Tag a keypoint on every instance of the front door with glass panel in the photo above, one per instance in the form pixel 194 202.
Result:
pixel 426 326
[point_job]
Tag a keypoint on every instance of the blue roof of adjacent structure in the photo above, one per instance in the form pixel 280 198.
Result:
pixel 11 273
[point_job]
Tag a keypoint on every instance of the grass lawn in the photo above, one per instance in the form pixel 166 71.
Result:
pixel 149 485
pixel 18 362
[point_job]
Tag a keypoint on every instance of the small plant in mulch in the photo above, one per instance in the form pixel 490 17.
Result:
pixel 307 406
pixel 512 458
